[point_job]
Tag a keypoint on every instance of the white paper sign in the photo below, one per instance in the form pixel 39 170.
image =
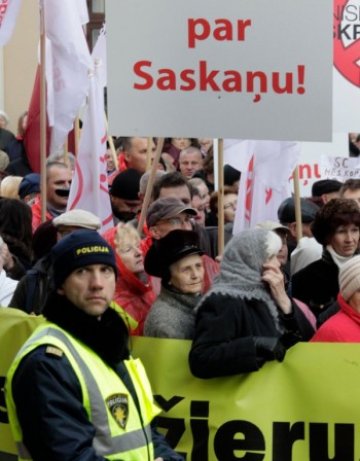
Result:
pixel 340 168
pixel 250 69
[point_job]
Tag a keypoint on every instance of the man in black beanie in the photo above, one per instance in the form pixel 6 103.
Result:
pixel 124 195
pixel 73 391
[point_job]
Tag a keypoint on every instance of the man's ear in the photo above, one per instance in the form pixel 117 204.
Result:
pixel 154 232
pixel 292 228
pixel 127 155
pixel 60 291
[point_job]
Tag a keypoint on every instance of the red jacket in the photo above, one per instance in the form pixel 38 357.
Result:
pixel 343 327
pixel 133 296
pixel 36 214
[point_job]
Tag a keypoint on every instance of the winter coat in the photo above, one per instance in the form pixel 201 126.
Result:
pixel 225 330
pixel 342 327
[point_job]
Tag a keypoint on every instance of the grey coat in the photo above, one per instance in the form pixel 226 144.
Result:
pixel 172 315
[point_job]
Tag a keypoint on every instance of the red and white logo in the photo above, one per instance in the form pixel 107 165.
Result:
pixel 347 39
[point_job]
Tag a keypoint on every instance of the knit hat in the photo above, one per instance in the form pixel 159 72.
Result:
pixel 78 249
pixel 78 218
pixel 169 249
pixel 325 186
pixel 274 226
pixel 349 277
pixel 286 211
pixel 166 208
pixel 272 244
pixel 30 184
pixel 126 185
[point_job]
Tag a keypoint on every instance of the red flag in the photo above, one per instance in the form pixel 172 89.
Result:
pixel 32 131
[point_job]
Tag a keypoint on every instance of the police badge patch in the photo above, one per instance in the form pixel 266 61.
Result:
pixel 118 405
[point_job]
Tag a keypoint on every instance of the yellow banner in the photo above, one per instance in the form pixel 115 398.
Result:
pixel 303 409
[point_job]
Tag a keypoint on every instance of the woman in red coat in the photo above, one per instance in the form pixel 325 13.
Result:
pixel 134 292
pixel 344 326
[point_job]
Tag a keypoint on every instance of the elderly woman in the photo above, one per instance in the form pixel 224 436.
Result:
pixel 246 318
pixel 336 228
pixel 344 326
pixel 176 259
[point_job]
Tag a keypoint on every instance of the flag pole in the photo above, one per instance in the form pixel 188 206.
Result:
pixel 111 143
pixel 148 154
pixel 221 197
pixel 149 187
pixel 297 203
pixel 42 116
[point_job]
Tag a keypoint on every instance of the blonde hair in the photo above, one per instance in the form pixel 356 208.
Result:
pixel 9 187
pixel 125 234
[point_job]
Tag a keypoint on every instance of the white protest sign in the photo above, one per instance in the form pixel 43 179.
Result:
pixel 340 168
pixel 346 65
pixel 310 159
pixel 231 69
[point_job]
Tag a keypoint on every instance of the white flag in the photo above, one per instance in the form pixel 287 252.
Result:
pixel 68 65
pixel 9 10
pixel 83 11
pixel 89 187
pixel 264 183
pixel 99 56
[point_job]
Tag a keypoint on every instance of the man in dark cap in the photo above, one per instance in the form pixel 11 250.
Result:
pixel 286 215
pixel 324 190
pixel 124 195
pixel 74 378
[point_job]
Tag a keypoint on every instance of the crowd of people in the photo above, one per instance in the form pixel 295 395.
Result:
pixel 265 293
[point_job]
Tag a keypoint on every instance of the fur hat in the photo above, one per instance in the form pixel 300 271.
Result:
pixel 335 213
pixel 78 249
pixel 169 249
pixel 325 186
pixel 349 277
pixel 78 218
pixel 166 208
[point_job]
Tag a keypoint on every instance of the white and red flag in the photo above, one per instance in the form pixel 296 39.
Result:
pixel 266 167
pixel 68 62
pixel 9 10
pixel 89 188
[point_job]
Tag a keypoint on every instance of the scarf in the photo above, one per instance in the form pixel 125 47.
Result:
pixel 107 336
pixel 241 270
pixel 338 259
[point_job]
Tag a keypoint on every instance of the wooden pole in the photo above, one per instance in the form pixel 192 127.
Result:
pixel 111 144
pixel 149 187
pixel 297 204
pixel 42 117
pixel 148 153
pixel 221 197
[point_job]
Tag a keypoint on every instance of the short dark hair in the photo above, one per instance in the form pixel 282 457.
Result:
pixel 349 184
pixel 172 179
pixel 337 212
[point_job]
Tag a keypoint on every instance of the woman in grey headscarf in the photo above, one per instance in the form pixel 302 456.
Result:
pixel 246 318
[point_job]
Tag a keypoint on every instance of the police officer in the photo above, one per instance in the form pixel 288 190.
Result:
pixel 73 391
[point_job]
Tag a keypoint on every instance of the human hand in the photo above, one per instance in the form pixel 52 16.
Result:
pixel 274 277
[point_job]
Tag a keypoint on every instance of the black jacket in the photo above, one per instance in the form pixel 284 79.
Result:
pixel 317 284
pixel 225 332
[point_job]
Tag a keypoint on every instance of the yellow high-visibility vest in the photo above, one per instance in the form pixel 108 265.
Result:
pixel 119 430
